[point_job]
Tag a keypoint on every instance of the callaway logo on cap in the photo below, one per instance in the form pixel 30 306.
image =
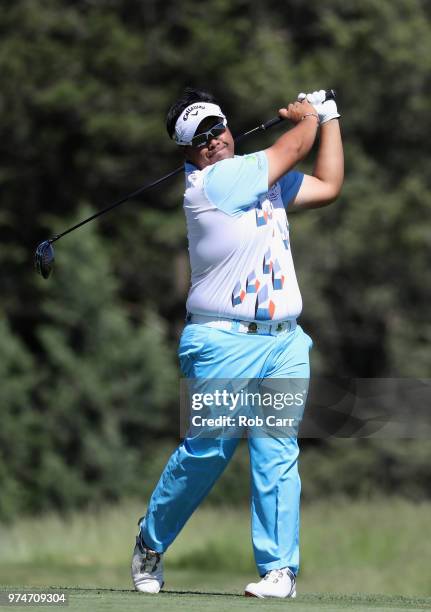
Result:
pixel 187 123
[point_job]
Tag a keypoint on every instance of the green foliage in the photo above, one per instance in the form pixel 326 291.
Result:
pixel 17 378
pixel 82 429
pixel 367 469
pixel 85 88
pixel 107 382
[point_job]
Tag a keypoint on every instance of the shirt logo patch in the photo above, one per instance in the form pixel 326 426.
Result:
pixel 274 193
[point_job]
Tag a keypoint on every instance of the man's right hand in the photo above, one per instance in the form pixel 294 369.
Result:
pixel 296 143
pixel 297 111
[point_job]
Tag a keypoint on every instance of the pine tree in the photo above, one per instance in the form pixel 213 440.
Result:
pixel 17 421
pixel 108 385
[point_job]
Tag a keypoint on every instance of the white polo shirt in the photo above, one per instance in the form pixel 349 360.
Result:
pixel 240 255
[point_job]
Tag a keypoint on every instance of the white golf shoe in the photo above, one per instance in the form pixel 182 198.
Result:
pixel 276 583
pixel 147 568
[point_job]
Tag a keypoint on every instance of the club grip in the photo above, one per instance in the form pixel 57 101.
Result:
pixel 329 95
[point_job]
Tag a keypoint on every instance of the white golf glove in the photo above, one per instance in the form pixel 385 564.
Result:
pixel 326 110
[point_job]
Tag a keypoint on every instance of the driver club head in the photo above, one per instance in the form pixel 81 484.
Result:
pixel 44 258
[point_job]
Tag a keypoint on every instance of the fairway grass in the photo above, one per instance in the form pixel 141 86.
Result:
pixel 373 547
pixel 95 600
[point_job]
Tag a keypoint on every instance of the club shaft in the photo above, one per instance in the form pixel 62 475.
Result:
pixel 330 94
pixel 118 202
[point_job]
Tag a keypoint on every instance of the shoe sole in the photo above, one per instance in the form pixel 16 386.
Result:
pixel 250 594
pixel 149 592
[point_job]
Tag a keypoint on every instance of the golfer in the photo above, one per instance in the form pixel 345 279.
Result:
pixel 242 307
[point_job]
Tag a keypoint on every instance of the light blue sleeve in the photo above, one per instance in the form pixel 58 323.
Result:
pixel 235 184
pixel 290 184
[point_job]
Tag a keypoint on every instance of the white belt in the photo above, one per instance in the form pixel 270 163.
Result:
pixel 246 327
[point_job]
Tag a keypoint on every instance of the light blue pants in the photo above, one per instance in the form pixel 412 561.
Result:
pixel 196 464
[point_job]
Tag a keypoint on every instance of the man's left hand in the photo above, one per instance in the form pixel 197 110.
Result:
pixel 326 110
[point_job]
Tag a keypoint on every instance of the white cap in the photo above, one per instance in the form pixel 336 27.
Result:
pixel 191 117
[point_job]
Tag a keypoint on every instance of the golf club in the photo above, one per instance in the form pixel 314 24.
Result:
pixel 44 255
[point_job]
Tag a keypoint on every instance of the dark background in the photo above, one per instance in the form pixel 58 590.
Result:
pixel 88 371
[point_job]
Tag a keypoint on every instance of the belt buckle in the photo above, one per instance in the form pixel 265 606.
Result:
pixel 283 326
pixel 252 328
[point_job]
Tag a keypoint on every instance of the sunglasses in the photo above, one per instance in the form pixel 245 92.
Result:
pixel 201 139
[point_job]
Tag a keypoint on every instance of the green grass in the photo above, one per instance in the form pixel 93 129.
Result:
pixel 95 600
pixel 374 547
